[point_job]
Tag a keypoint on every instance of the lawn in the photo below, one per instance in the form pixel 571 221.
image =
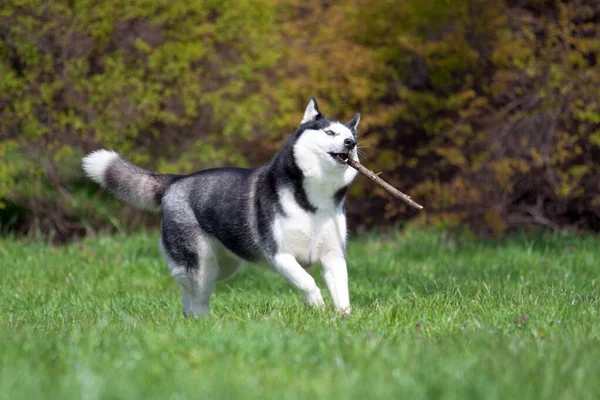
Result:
pixel 435 315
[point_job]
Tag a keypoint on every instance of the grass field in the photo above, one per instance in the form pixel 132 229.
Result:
pixel 435 315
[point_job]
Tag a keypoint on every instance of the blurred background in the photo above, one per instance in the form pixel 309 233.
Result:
pixel 487 112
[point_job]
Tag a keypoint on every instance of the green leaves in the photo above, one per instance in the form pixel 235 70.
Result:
pixel 451 92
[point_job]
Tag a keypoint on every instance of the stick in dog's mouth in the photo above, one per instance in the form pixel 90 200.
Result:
pixel 342 157
pixel 389 188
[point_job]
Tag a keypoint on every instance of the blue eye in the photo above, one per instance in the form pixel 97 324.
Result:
pixel 330 133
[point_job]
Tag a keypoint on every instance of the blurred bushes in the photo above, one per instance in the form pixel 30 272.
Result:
pixel 486 111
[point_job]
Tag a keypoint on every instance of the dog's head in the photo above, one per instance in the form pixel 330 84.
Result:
pixel 324 144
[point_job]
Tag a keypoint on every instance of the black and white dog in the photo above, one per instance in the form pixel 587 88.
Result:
pixel 288 213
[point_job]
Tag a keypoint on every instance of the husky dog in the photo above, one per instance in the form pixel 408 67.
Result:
pixel 288 213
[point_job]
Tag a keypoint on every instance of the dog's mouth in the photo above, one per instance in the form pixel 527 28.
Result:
pixel 340 157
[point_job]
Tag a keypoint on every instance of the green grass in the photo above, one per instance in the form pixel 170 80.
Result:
pixel 433 317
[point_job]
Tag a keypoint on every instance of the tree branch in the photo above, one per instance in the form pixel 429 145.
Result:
pixel 375 178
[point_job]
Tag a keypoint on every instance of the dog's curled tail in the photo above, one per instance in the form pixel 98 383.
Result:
pixel 125 180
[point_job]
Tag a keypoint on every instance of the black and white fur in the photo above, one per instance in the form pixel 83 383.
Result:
pixel 289 212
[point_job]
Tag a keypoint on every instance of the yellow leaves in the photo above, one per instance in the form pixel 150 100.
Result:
pixel 595 138
pixel 444 195
pixel 63 152
pixel 387 158
pixel 447 60
pixel 570 180
pixel 495 221
pixel 538 158
pixel 411 42
pixel 578 171
pixel 505 169
pixel 142 46
pixel 453 155
pixel 461 99
pixel 7 168
pixel 199 84
pixel 590 113
pixel 588 45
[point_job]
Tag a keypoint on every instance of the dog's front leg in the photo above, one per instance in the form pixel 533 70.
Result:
pixel 335 274
pixel 287 266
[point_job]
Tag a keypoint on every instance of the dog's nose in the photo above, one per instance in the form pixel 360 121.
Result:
pixel 349 143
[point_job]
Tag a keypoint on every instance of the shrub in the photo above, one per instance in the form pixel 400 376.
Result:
pixel 486 111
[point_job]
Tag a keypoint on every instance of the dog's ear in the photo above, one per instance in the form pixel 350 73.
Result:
pixel 353 124
pixel 312 112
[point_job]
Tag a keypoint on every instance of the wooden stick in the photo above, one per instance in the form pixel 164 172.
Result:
pixel 375 178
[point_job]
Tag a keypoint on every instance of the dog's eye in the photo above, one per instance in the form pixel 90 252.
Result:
pixel 330 133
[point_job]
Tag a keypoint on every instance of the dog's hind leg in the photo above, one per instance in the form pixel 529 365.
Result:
pixel 197 287
pixel 194 266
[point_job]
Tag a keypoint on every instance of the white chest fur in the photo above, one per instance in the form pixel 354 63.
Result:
pixel 306 235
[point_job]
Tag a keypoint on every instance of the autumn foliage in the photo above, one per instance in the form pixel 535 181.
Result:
pixel 487 112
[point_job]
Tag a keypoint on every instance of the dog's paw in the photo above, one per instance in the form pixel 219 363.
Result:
pixel 344 312
pixel 314 298
pixel 197 312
